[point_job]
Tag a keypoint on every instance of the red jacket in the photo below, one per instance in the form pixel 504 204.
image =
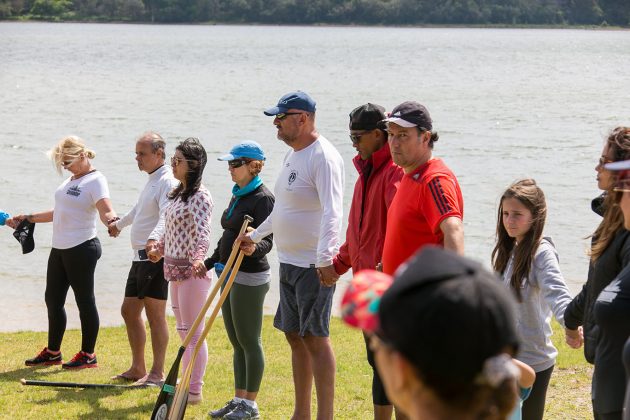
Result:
pixel 368 212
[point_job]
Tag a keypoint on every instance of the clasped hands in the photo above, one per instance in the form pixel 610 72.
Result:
pixel 154 254
pixel 574 338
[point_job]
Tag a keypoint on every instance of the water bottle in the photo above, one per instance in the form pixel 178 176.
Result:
pixel 3 217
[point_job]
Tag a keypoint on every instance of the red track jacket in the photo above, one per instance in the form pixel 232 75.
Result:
pixel 368 212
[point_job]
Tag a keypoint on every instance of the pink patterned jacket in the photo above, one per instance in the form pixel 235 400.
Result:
pixel 186 235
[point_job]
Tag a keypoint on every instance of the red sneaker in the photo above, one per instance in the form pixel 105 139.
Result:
pixel 81 360
pixel 44 358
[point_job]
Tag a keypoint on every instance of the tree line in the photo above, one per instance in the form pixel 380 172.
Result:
pixel 359 12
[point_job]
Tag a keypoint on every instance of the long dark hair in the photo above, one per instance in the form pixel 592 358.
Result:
pixel 196 157
pixel 618 142
pixel 531 196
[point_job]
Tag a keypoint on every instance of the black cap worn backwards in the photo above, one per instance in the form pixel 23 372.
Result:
pixel 367 117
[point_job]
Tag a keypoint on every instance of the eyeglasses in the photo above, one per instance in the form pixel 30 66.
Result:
pixel 176 161
pixel 281 116
pixel 237 163
pixel 604 160
pixel 356 138
pixel 67 163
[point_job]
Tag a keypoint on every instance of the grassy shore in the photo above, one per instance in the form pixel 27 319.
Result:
pixel 568 397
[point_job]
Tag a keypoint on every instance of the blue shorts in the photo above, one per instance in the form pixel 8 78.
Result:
pixel 305 304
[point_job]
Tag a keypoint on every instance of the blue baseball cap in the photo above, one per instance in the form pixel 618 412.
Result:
pixel 293 100
pixel 245 149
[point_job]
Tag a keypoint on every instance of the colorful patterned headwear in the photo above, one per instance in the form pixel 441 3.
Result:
pixel 359 306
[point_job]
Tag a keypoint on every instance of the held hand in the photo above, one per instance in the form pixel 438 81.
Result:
pixel 248 249
pixel 574 338
pixel 113 230
pixel 152 251
pixel 199 268
pixel 327 275
pixel 245 238
pixel 14 221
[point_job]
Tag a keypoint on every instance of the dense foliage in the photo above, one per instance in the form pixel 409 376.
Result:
pixel 370 12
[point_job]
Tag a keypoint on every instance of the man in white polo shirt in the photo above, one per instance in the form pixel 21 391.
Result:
pixel 306 222
pixel 146 288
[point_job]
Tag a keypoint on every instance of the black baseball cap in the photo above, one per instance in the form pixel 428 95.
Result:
pixel 367 117
pixel 24 235
pixel 411 114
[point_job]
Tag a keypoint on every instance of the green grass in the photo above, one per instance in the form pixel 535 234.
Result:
pixel 568 397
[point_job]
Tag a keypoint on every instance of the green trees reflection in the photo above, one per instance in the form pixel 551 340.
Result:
pixel 361 12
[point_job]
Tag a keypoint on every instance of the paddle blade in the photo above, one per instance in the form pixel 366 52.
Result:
pixel 165 398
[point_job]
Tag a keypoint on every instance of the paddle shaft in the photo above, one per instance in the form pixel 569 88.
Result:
pixel 78 385
pixel 215 290
pixel 181 394
pixel 165 397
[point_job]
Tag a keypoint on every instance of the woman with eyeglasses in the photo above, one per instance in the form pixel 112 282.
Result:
pixel 184 245
pixel 79 201
pixel 243 310
pixel 609 254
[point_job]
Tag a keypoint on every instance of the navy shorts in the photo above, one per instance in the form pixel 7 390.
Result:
pixel 305 304
pixel 147 279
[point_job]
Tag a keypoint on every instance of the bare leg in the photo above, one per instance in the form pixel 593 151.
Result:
pixel 302 376
pixel 323 367
pixel 156 314
pixel 131 311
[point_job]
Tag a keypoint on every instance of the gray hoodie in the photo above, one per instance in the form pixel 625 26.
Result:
pixel 543 292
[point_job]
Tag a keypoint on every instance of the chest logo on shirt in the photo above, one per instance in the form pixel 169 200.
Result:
pixel 292 176
pixel 74 190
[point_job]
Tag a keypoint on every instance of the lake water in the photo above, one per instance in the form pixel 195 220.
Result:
pixel 508 104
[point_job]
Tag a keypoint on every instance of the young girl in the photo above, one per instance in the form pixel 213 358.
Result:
pixel 528 264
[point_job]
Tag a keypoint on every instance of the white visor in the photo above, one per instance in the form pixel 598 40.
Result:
pixel 621 165
pixel 400 122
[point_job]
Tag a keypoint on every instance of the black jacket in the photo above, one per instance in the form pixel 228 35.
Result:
pixel 258 204
pixel 580 311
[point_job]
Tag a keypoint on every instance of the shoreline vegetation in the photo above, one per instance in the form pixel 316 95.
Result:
pixel 404 13
pixel 568 395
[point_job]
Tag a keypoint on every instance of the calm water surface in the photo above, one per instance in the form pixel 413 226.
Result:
pixel 508 104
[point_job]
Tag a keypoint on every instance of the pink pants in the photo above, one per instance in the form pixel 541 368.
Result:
pixel 187 299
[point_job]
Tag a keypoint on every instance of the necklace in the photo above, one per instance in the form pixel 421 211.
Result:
pixel 75 177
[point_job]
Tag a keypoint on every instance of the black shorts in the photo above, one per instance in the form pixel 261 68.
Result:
pixel 147 279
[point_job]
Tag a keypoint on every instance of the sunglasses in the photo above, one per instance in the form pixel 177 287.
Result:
pixel 281 116
pixel 176 161
pixel 237 163
pixel 67 163
pixel 604 160
pixel 356 138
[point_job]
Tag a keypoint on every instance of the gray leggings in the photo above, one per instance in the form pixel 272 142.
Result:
pixel 242 316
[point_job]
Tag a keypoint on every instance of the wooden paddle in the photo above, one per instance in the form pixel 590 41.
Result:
pixel 165 398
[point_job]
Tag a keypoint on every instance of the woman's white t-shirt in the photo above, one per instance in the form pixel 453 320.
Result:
pixel 75 214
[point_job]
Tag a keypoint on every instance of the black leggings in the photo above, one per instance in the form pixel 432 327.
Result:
pixel 534 405
pixel 73 267
pixel 379 397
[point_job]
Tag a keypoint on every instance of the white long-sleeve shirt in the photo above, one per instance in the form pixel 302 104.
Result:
pixel 144 217
pixel 307 215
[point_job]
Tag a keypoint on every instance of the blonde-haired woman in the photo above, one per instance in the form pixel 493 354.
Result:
pixel 75 249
